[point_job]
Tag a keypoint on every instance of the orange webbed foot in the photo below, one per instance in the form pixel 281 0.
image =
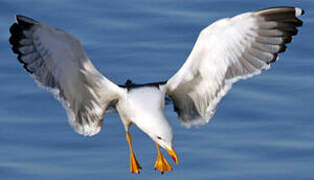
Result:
pixel 161 164
pixel 134 165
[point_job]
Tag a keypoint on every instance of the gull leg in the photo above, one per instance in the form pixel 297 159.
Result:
pixel 161 163
pixel 134 165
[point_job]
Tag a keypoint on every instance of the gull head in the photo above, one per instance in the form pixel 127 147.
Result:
pixel 161 133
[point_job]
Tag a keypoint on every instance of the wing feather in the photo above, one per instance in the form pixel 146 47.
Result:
pixel 226 51
pixel 57 62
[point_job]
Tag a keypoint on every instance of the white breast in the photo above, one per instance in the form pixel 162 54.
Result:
pixel 145 109
pixel 146 102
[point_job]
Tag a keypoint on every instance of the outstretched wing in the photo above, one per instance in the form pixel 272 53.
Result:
pixel 57 61
pixel 226 51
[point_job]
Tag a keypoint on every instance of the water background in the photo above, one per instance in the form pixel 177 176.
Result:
pixel 263 128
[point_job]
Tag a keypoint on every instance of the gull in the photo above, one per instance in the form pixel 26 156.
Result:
pixel 226 51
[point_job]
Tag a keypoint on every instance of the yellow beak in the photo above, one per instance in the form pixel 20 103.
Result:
pixel 173 154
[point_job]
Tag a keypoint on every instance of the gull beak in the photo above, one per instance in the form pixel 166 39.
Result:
pixel 173 154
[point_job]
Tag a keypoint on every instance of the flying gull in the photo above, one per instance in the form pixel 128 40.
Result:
pixel 226 51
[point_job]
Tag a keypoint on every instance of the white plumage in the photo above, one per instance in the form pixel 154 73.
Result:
pixel 226 51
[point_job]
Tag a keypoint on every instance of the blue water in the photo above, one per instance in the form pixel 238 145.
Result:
pixel 263 128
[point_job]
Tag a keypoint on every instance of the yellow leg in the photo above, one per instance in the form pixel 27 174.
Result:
pixel 161 163
pixel 134 165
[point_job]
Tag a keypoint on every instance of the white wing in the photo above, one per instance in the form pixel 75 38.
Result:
pixel 226 51
pixel 57 61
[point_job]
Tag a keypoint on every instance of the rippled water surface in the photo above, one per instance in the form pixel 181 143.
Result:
pixel 263 128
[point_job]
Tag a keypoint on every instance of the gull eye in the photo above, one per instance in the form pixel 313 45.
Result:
pixel 158 137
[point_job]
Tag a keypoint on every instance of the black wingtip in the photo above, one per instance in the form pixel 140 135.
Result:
pixel 22 23
pixel 283 48
pixel 14 28
pixel 16 36
pixel 25 22
pixel 302 12
pixel 22 18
